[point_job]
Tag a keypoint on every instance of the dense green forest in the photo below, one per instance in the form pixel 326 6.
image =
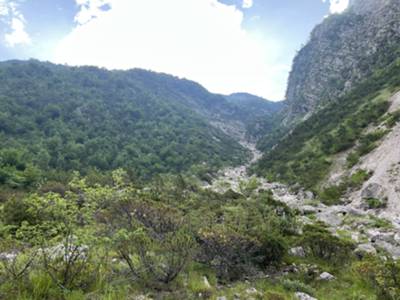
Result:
pixel 56 119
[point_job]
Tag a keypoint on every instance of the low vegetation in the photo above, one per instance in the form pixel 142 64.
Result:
pixel 168 238
pixel 304 156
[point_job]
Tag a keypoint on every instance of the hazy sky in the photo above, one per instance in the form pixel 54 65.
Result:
pixel 226 45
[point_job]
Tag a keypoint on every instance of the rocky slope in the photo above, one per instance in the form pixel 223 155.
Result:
pixel 341 51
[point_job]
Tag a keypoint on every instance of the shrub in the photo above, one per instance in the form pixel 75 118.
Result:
pixel 154 261
pixel 352 159
pixel 383 274
pixel 331 195
pixel 297 286
pixel 374 203
pixel 230 253
pixel 15 211
pixel 272 250
pixel 393 118
pixel 320 243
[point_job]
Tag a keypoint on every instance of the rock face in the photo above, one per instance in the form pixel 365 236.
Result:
pixel 373 190
pixel 343 49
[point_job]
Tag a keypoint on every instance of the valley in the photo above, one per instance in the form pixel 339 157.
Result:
pixel 139 185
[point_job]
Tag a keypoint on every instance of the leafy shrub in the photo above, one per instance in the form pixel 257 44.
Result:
pixel 230 253
pixel 393 118
pixel 272 250
pixel 320 243
pixel 332 195
pixel 352 159
pixel 15 211
pixel 358 178
pixel 155 262
pixel 383 274
pixel 374 203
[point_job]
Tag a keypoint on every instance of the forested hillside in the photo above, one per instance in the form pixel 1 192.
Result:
pixel 57 119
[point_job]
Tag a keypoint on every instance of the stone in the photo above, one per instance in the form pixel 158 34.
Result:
pixel 363 249
pixel 374 191
pixel 303 296
pixel 251 291
pixel 325 276
pixel 206 283
pixel 8 256
pixel 393 250
pixel 222 298
pixel 308 209
pixel 297 251
pixel 309 195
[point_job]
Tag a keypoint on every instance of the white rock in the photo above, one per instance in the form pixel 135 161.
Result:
pixel 326 276
pixel 297 251
pixel 206 282
pixel 365 248
pixel 304 296
pixel 8 256
pixel 251 291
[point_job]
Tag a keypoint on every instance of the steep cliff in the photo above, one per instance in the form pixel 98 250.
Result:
pixel 342 51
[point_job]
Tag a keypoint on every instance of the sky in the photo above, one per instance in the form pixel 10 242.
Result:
pixel 226 45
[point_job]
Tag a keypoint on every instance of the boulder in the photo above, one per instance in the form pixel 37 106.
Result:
pixel 304 296
pixel 393 250
pixel 308 209
pixel 325 276
pixel 375 192
pixel 297 251
pixel 364 249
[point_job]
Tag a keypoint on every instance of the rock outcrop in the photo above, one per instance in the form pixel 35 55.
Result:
pixel 342 51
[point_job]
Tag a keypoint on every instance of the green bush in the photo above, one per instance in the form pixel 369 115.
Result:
pixel 272 251
pixel 374 203
pixel 383 274
pixel 393 118
pixel 331 195
pixel 320 243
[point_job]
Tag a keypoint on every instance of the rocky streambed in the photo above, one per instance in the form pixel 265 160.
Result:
pixel 372 230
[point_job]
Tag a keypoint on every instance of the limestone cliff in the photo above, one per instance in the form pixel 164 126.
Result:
pixel 342 50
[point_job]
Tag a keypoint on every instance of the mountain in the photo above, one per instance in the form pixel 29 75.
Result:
pixel 253 106
pixel 57 119
pixel 338 97
pixel 355 121
pixel 342 51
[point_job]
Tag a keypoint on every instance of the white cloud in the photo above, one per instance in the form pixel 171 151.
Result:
pixel 3 8
pixel 14 19
pixel 89 9
pixel 247 3
pixel 18 35
pixel 200 40
pixel 338 6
